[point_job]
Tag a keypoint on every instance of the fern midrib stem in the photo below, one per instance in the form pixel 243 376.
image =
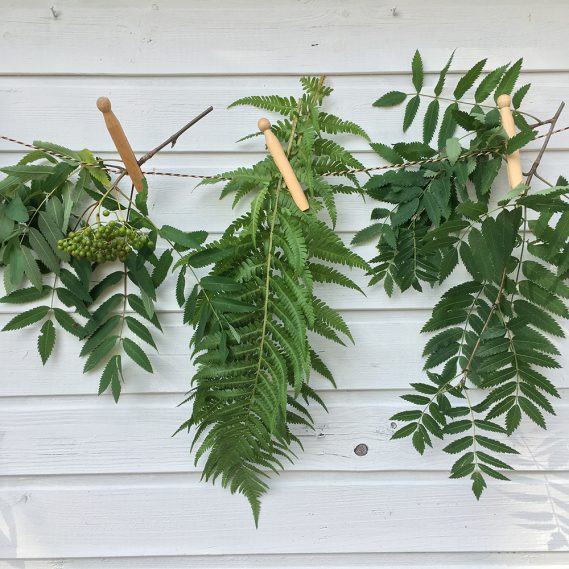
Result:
pixel 268 265
pixel 270 249
pixel 414 249
pixel 470 310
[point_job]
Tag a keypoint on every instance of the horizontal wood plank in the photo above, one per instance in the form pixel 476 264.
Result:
pixel 454 560
pixel 151 109
pixel 84 435
pixel 386 355
pixel 321 513
pixel 174 36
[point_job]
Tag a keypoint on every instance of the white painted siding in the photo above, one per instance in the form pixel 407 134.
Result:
pixel 85 483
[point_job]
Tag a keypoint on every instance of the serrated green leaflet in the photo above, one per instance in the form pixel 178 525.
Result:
pixel 140 330
pixel 136 354
pixel 442 76
pixel 100 334
pixel 43 250
pixel 417 71
pixel 26 172
pixel 430 121
pixel 46 340
pixel 102 350
pixel 411 111
pixel 24 295
pixel 468 80
pixel 112 377
pixel 67 322
pixel 183 239
pixel 390 99
pixel 162 267
pixel 27 318
pixel 31 269
pixel 16 210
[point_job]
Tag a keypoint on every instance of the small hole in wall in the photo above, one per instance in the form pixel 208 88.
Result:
pixel 361 449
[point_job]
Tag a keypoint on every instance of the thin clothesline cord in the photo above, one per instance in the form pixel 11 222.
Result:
pixel 399 166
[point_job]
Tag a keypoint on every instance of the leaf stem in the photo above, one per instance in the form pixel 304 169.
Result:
pixel 123 315
pixel 269 263
pixel 55 279
pixel 552 122
pixel 98 203
pixel 533 172
pixel 514 353
pixel 484 328
pixel 473 104
pixel 473 418
pixel 270 247
pixel 448 384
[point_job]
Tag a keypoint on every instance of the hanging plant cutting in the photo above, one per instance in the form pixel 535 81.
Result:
pixel 492 330
pixel 254 365
pixel 70 238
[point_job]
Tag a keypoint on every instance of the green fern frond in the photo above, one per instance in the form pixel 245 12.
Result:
pixel 252 343
pixel 283 105
pixel 331 124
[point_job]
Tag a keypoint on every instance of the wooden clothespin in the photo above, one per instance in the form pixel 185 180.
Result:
pixel 121 142
pixel 283 165
pixel 515 175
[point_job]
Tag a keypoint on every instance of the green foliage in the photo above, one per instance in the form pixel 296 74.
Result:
pixel 257 307
pixel 60 219
pixel 255 311
pixel 488 334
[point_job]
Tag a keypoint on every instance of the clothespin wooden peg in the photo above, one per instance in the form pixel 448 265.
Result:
pixel 121 142
pixel 283 165
pixel 515 175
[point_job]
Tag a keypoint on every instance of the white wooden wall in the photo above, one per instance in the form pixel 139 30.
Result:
pixel 85 483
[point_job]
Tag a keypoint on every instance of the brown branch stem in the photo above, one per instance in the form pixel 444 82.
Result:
pixel 552 121
pixel 173 139
pixel 531 173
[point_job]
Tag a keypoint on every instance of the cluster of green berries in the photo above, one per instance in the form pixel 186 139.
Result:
pixel 108 242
